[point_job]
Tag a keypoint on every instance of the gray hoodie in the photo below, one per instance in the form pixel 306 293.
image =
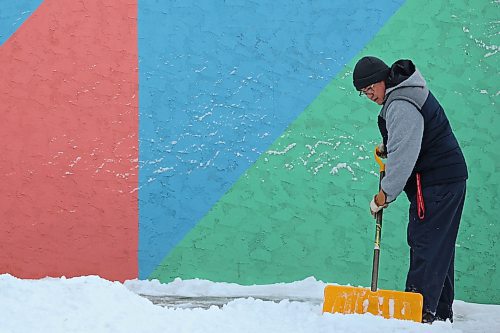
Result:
pixel 405 126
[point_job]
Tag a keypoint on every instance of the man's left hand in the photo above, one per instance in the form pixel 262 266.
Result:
pixel 378 203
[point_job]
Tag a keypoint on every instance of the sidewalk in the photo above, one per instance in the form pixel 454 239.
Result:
pixel 186 302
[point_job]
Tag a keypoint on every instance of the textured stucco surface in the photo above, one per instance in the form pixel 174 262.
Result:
pixel 219 82
pixel 68 85
pixel 302 208
pixel 13 14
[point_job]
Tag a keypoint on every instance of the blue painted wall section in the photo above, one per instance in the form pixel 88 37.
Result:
pixel 219 82
pixel 13 14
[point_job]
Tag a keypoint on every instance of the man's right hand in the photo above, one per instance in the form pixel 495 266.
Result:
pixel 381 151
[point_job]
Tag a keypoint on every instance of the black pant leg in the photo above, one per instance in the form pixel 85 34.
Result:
pixel 432 243
pixel 444 308
pixel 445 304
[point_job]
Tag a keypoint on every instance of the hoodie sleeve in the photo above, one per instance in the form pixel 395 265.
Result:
pixel 405 126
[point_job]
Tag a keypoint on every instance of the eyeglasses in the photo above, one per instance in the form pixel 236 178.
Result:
pixel 367 91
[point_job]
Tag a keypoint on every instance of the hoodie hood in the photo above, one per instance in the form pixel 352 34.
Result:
pixel 412 88
pixel 403 74
pixel 399 72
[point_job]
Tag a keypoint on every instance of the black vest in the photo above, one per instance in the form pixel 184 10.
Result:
pixel 440 160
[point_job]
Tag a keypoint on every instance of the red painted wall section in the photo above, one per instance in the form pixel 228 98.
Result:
pixel 69 142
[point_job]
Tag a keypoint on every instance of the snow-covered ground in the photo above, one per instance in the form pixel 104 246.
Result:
pixel 91 304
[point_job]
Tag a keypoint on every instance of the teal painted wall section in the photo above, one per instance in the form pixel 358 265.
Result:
pixel 302 209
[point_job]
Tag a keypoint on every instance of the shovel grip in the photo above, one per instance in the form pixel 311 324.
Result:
pixel 379 161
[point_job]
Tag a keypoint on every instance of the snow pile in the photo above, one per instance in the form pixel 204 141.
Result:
pixel 309 288
pixel 92 304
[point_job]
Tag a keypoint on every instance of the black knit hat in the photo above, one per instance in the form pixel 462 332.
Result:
pixel 369 70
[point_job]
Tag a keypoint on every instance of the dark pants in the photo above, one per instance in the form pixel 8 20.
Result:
pixel 432 246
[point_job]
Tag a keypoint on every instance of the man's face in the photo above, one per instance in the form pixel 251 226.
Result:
pixel 375 92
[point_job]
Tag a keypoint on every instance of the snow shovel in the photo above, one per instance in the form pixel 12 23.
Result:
pixel 386 303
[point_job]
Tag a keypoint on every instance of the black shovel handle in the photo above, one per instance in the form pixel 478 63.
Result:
pixel 378 230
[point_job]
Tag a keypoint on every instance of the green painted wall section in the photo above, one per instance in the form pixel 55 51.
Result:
pixel 302 209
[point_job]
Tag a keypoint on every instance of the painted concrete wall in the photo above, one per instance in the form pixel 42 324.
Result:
pixel 301 208
pixel 216 140
pixel 219 83
pixel 68 131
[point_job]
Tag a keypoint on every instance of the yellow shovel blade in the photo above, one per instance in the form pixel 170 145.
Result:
pixel 386 303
